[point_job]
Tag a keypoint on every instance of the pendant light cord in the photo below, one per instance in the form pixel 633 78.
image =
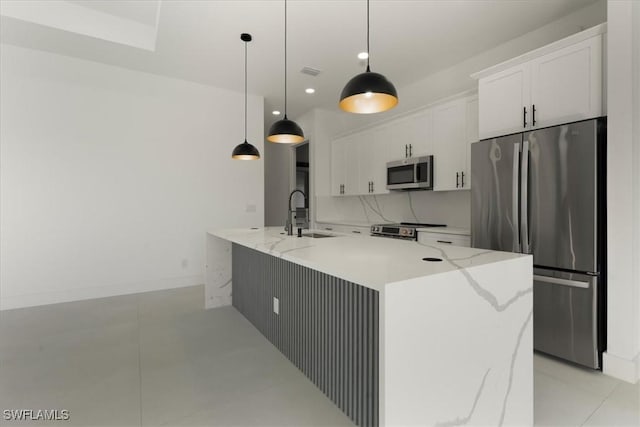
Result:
pixel 285 59
pixel 245 91
pixel 368 49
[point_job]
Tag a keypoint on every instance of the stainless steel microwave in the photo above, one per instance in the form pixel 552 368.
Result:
pixel 414 173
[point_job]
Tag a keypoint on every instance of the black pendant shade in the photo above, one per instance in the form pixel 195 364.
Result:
pixel 368 92
pixel 245 151
pixel 285 131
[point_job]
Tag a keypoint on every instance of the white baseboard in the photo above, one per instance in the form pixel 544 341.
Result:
pixel 78 294
pixel 623 369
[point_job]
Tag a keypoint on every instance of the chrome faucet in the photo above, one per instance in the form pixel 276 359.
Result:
pixel 288 227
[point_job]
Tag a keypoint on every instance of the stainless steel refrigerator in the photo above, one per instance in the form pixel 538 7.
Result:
pixel 543 193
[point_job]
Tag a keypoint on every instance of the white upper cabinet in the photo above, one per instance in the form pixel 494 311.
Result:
pixel 450 145
pixel 556 84
pixel 444 130
pixel 359 163
pixel 419 133
pixel 566 85
pixel 378 155
pixel 409 136
pixel 352 159
pixel 504 99
pixel 472 136
pixel 338 167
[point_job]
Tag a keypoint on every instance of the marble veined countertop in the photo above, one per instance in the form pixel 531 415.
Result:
pixel 374 262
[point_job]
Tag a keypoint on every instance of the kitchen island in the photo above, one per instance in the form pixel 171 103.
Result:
pixel 394 332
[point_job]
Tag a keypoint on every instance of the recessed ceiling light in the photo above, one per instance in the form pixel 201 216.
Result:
pixel 275 112
pixel 310 90
pixel 363 55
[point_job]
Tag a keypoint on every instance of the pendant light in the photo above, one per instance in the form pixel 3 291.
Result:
pixel 368 92
pixel 245 151
pixel 285 131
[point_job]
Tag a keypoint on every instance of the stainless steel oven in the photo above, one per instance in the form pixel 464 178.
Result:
pixel 415 173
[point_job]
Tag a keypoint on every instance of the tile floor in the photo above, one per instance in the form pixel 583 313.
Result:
pixel 159 359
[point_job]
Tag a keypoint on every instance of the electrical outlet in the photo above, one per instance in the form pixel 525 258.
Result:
pixel 276 305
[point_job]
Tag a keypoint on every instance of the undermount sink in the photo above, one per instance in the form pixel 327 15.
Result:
pixel 317 235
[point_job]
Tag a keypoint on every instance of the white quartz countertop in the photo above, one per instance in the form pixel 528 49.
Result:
pixel 374 262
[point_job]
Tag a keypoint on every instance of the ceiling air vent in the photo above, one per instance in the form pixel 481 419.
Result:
pixel 310 71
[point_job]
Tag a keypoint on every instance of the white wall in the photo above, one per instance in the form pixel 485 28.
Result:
pixel 623 187
pixel 110 177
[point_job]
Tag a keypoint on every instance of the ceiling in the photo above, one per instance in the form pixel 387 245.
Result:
pixel 200 40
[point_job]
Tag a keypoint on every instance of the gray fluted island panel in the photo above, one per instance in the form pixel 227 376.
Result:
pixel 388 337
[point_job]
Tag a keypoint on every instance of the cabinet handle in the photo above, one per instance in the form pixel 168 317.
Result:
pixel 457 179
pixel 533 113
pixel 443 241
pixel 462 180
pixel 355 232
pixel 406 151
pixel 328 228
pixel 524 117
pixel 410 150
pixel 372 187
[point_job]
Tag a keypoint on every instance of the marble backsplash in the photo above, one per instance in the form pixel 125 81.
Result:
pixel 448 207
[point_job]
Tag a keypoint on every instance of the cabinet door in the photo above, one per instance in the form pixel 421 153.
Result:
pixel 352 184
pixel 472 136
pixel 379 158
pixel 449 143
pixel 444 239
pixel 418 129
pixel 503 97
pixel 366 151
pixel 337 167
pixel 566 85
pixel 397 145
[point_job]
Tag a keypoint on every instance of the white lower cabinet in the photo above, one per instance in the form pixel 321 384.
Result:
pixel 455 238
pixel 356 230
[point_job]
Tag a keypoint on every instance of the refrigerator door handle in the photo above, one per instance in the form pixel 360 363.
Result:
pixel 524 199
pixel 563 282
pixel 515 216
